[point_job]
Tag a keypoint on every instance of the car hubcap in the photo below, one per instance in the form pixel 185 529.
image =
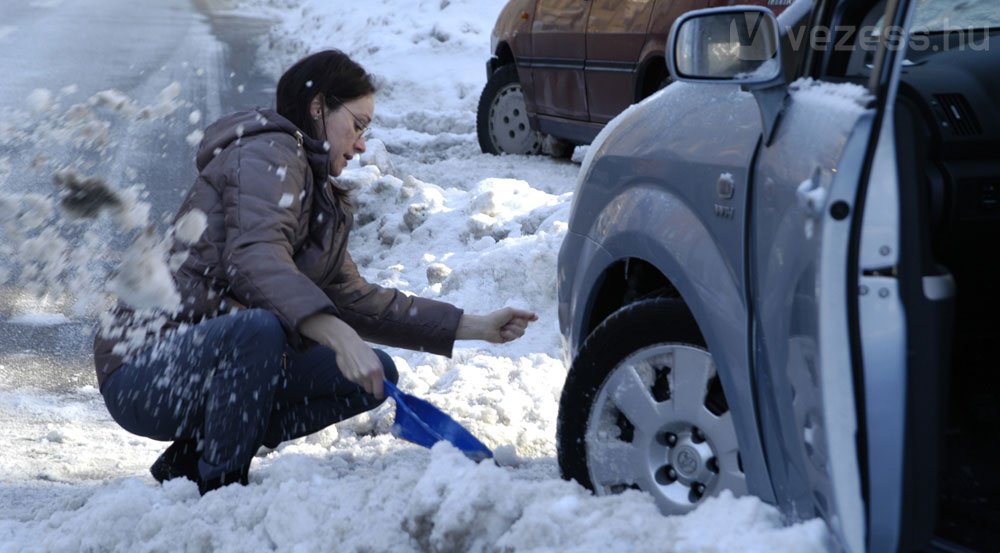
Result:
pixel 509 127
pixel 654 426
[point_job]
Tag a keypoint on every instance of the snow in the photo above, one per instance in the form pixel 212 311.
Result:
pixel 40 100
pixel 434 218
pixel 195 137
pixel 39 319
pixel 839 99
pixel 190 226
pixel 938 15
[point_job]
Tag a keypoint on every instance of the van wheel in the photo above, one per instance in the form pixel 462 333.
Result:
pixel 502 119
pixel 643 408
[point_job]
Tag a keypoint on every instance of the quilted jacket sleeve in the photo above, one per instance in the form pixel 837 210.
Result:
pixel 390 317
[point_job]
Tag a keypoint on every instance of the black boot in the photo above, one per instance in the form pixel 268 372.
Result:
pixel 179 460
pixel 241 475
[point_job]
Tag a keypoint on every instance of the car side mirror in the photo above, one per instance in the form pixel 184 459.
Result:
pixel 735 45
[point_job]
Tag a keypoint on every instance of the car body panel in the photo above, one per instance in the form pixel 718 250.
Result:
pixel 798 280
pixel 513 27
pixel 883 321
pixel 679 225
pixel 616 33
pixel 558 49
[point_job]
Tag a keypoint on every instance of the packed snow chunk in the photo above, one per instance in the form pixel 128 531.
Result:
pixel 114 100
pixel 437 273
pixel 286 200
pixel 194 138
pixel 376 154
pixel 40 100
pixel 506 456
pixel 190 226
pixel 194 117
pixel 166 103
pixel 496 197
pixel 841 98
pixel 85 197
pixel 357 179
pixel 143 279
pixel 134 213
pixel 416 214
pixel 459 505
pixel 507 207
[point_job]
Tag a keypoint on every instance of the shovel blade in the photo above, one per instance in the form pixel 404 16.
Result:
pixel 422 423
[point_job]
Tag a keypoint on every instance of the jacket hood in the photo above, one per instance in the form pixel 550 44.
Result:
pixel 246 124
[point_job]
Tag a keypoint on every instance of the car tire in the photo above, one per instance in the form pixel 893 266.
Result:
pixel 643 408
pixel 502 118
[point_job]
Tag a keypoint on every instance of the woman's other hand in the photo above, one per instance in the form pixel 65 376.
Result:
pixel 499 327
pixel 356 361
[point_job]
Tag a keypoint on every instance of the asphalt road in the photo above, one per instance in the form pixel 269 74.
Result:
pixel 139 49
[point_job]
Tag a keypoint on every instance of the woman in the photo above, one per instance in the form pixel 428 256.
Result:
pixel 267 344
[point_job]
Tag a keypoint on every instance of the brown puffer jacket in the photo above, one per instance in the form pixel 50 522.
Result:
pixel 276 238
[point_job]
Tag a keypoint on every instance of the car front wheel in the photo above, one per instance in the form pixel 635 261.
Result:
pixel 502 118
pixel 643 408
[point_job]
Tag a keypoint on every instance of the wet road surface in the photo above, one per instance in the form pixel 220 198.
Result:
pixel 74 49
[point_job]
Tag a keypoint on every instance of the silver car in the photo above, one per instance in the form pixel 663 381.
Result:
pixel 781 275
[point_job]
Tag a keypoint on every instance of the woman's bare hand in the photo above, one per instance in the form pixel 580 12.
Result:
pixel 499 327
pixel 356 361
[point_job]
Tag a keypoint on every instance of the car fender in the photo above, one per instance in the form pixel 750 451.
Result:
pixel 513 28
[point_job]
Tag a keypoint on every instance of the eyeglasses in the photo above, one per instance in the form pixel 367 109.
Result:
pixel 360 127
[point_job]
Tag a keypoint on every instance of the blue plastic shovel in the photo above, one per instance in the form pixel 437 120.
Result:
pixel 420 422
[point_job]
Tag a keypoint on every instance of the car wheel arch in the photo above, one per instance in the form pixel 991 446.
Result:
pixel 504 55
pixel 710 296
pixel 622 283
pixel 651 76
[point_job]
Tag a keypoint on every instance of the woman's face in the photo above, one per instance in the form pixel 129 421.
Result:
pixel 344 127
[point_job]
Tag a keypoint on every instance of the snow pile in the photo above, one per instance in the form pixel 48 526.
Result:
pixel 460 506
pixel 430 66
pixel 371 495
pixel 388 38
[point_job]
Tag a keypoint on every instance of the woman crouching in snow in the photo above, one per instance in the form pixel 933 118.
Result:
pixel 267 344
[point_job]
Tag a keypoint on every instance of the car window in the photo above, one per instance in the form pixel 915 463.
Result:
pixel 944 15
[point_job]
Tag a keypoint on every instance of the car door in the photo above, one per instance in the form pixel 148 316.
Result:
pixel 829 331
pixel 558 50
pixel 616 33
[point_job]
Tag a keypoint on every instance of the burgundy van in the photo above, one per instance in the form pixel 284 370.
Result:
pixel 561 69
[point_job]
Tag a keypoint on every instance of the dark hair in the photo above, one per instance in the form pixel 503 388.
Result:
pixel 331 73
pixel 335 76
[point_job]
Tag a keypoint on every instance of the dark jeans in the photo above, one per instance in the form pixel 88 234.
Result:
pixel 232 383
